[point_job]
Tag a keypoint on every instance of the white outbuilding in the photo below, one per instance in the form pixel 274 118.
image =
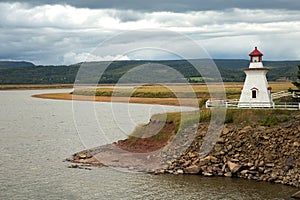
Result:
pixel 256 92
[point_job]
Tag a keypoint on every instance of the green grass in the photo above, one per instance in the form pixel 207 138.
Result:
pixel 270 121
pixel 179 121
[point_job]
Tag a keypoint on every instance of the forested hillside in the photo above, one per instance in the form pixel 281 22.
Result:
pixel 231 71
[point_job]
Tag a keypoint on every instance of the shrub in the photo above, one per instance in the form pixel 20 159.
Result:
pixel 270 121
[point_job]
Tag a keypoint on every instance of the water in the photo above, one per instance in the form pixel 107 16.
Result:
pixel 36 135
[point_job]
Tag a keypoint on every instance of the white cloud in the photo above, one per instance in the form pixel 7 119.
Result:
pixel 50 34
pixel 71 57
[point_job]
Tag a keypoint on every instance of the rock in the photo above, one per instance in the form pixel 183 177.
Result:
pixel 204 161
pixel 193 169
pixel 261 128
pixel 273 176
pixel 244 172
pixel 261 163
pixel 266 137
pixel 193 155
pixel 207 174
pixel 73 165
pixel 296 195
pixel 82 156
pixel 221 140
pixel 250 164
pixel 261 169
pixel 213 159
pixel 233 167
pixel 296 144
pixel 186 163
pixel 225 130
pixel 270 165
pixel 245 130
pixel 229 147
pixel 290 161
pixel 228 174
pixel 180 171
pixel 289 125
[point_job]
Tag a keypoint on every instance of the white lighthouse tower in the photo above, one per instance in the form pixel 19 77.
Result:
pixel 256 93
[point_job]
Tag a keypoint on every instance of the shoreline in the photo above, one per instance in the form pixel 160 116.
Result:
pixel 243 150
pixel 160 101
pixel 36 87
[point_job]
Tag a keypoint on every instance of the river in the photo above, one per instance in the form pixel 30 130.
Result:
pixel 38 134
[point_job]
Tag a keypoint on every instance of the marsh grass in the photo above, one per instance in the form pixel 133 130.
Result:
pixel 201 91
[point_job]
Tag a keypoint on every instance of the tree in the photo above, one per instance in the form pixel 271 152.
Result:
pixel 297 82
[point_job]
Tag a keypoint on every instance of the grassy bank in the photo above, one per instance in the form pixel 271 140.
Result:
pixel 162 128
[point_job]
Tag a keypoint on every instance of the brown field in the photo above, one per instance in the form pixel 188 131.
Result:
pixel 232 91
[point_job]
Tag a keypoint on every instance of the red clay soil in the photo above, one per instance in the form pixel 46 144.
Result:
pixel 138 153
pixel 149 144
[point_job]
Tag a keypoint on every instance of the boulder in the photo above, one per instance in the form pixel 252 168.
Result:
pixel 193 169
pixel 228 174
pixel 244 172
pixel 233 167
pixel 204 161
pixel 207 174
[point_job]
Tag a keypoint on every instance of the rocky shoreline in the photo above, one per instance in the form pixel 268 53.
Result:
pixel 246 150
pixel 261 153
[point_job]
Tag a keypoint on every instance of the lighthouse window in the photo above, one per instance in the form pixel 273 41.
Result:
pixel 253 94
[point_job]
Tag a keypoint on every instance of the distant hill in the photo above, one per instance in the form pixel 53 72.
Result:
pixel 11 64
pixel 231 71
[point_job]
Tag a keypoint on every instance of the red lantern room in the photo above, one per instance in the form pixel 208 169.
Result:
pixel 255 56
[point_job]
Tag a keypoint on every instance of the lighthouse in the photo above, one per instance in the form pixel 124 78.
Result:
pixel 256 92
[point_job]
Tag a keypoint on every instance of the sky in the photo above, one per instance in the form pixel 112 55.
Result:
pixel 70 31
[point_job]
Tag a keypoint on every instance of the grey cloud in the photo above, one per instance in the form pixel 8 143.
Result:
pixel 173 5
pixel 63 34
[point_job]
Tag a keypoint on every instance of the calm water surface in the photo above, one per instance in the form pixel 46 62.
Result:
pixel 36 135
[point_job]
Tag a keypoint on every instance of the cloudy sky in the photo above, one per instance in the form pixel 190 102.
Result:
pixel 69 31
